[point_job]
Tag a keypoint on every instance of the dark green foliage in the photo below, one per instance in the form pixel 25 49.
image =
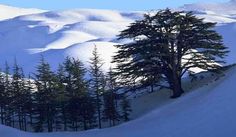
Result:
pixel 44 97
pixel 61 101
pixel 97 81
pixel 126 109
pixel 165 46
pixel 80 103
pixel 111 109
pixel 8 114
pixel 19 96
pixel 3 98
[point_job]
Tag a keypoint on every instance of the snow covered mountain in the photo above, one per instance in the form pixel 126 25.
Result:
pixel 58 34
pixel 7 12
pixel 220 8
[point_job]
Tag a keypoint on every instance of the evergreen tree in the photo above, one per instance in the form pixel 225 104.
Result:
pixel 96 81
pixel 17 95
pixel 28 97
pixel 44 97
pixel 110 111
pixel 2 98
pixel 80 105
pixel 25 101
pixel 8 95
pixel 166 45
pixel 62 99
pixel 126 108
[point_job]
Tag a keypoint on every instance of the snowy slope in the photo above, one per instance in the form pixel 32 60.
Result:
pixel 58 34
pixel 228 31
pixel 214 12
pixel 7 12
pixel 220 8
pixel 207 112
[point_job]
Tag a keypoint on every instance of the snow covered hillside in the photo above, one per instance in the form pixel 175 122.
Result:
pixel 219 8
pixel 58 34
pixel 7 12
pixel 206 112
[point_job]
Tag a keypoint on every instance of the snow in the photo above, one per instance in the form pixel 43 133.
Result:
pixel 208 111
pixel 7 12
pixel 220 8
pixel 57 34
pixel 105 49
pixel 228 32
pixel 213 12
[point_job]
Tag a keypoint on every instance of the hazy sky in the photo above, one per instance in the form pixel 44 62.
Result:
pixel 102 4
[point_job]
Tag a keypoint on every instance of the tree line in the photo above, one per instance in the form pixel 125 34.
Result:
pixel 64 100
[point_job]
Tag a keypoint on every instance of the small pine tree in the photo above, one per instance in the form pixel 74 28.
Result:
pixel 126 108
pixel 17 94
pixel 96 82
pixel 62 98
pixel 28 102
pixel 2 98
pixel 8 90
pixel 80 103
pixel 110 111
pixel 44 97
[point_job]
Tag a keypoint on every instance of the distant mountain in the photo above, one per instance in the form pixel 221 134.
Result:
pixel 7 12
pixel 58 34
pixel 220 8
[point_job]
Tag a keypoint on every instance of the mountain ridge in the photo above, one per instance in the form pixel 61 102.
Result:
pixel 55 33
pixel 13 12
pixel 219 8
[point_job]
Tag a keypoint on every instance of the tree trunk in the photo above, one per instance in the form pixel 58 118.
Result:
pixel 85 123
pixel 25 122
pixel 19 120
pixel 2 117
pixel 64 117
pixel 176 86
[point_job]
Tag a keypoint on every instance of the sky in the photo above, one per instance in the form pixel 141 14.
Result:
pixel 123 5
